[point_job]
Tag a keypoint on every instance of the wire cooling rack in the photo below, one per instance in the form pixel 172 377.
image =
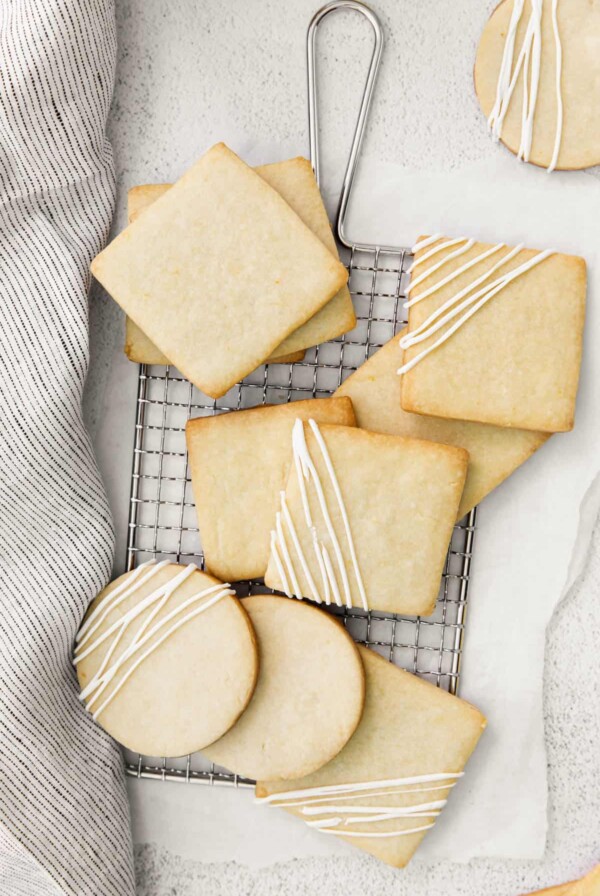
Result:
pixel 162 521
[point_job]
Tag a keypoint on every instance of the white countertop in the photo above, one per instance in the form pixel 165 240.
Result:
pixel 190 74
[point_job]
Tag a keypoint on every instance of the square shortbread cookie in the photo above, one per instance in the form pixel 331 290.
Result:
pixel 239 464
pixel 516 361
pixel 380 515
pixel 494 451
pixel 409 730
pixel 218 271
pixel 138 347
pixel 295 182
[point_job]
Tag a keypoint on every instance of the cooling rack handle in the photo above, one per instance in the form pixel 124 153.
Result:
pixel 313 122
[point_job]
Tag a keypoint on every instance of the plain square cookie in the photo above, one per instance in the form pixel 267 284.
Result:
pixel 219 271
pixel 379 527
pixel 494 451
pixel 309 696
pixel 239 463
pixel 409 728
pixel 295 182
pixel 516 361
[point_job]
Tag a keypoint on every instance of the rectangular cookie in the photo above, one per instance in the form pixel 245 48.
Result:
pixel 219 271
pixel 295 182
pixel 515 361
pixel 409 730
pixel 381 510
pixel 239 464
pixel 494 451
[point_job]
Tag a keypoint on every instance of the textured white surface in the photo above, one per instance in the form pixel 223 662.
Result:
pixel 191 74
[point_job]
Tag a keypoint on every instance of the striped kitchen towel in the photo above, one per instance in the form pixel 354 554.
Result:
pixel 64 817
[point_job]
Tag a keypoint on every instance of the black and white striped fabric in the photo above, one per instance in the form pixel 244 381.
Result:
pixel 64 818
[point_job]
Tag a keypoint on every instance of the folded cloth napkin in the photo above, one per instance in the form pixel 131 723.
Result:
pixel 64 817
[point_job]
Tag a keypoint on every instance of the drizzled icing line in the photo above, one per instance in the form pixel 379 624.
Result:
pixel 155 602
pixel 559 100
pixel 321 801
pixel 469 299
pixel 331 577
pixel 528 61
pixel 445 245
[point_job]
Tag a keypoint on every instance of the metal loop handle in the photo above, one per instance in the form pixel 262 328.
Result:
pixel 359 131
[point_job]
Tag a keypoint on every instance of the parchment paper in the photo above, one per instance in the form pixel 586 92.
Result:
pixel 531 538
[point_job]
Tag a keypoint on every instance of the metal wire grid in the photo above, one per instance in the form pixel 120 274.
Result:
pixel 162 520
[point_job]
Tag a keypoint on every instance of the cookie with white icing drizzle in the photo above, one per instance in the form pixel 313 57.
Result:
pixel 309 697
pixel 365 519
pixel 537 77
pixel 495 333
pixel 239 464
pixel 388 785
pixel 166 658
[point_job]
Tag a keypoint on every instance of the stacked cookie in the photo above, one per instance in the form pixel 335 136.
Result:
pixel 490 358
pixel 323 510
pixel 227 269
pixel 170 661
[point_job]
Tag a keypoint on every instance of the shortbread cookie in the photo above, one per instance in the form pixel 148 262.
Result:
pixel 239 464
pixel 494 451
pixel 166 659
pixel 562 128
pixel 366 519
pixel 219 271
pixel 385 789
pixel 309 697
pixel 295 182
pixel 138 347
pixel 586 886
pixel 494 334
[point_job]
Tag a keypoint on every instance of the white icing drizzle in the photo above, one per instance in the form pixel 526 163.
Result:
pixel 307 475
pixel 279 565
pixel 528 61
pixel 468 300
pixel 446 245
pixel 403 832
pixel 450 277
pixel 427 242
pixel 321 801
pixel 296 542
pixel 120 594
pixel 559 100
pixel 155 602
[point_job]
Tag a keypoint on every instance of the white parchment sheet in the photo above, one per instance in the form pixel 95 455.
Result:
pixel 532 533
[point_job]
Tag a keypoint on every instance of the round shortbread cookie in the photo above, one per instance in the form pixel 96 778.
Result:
pixel 309 697
pixel 579 33
pixel 167 659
